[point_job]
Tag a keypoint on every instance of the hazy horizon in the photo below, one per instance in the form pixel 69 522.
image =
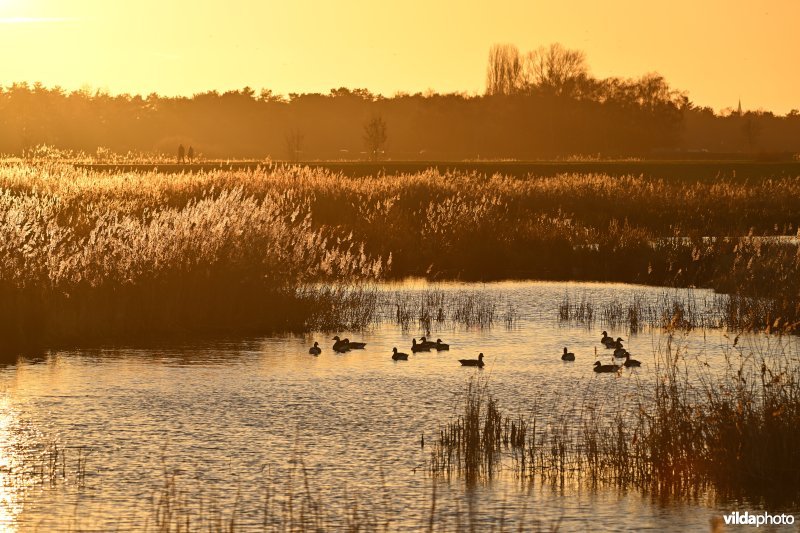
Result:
pixel 737 50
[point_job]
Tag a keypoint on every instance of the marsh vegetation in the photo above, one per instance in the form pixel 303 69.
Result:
pixel 685 431
pixel 91 255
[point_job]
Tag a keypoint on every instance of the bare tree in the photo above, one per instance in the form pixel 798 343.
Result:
pixel 504 73
pixel 294 145
pixel 375 137
pixel 554 68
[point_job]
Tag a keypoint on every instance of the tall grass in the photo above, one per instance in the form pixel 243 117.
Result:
pixel 674 311
pixel 87 254
pixel 686 430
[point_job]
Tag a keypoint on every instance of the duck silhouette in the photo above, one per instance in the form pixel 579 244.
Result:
pixel 473 362
pixel 607 341
pixel 399 356
pixel 340 346
pixel 415 348
pixel 567 356
pixel 426 343
pixel 353 345
pixel 629 363
pixel 601 368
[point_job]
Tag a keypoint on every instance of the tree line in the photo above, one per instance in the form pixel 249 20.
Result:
pixel 539 104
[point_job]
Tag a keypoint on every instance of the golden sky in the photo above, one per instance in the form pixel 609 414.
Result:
pixel 717 50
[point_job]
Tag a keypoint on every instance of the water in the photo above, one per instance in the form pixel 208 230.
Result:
pixel 226 416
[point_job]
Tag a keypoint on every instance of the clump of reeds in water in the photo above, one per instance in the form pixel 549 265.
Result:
pixel 44 463
pixel 295 502
pixel 734 429
pixel 580 312
pixel 511 316
pixel 436 308
pixel 471 444
pixel 674 310
pixel 474 310
pixel 340 307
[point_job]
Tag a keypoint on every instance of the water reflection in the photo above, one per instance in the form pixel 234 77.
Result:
pixel 223 416
pixel 10 504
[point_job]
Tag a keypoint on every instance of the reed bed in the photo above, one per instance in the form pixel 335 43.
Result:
pixel 470 445
pixel 94 255
pixel 436 308
pixel 680 311
pixel 688 430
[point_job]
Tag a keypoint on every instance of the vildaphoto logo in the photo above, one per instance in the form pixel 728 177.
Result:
pixel 747 519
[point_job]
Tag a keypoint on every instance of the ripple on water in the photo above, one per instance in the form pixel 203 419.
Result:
pixel 227 414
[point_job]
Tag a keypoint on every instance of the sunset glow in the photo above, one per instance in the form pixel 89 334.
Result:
pixel 717 51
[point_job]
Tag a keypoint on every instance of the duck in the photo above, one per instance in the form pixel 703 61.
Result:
pixel 419 347
pixel 440 346
pixel 617 343
pixel 355 345
pixel 599 367
pixel 567 356
pixel 340 346
pixel 425 342
pixel 399 356
pixel 473 362
pixel 631 362
pixel 607 341
pixel 621 352
pixel 315 350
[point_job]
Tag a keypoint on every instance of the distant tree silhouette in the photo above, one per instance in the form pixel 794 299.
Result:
pixel 555 69
pixel 375 137
pixel 559 112
pixel 504 73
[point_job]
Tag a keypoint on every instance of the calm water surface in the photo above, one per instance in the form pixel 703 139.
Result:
pixel 224 417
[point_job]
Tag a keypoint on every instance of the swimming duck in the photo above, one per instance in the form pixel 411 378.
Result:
pixel 631 362
pixel 399 356
pixel 425 342
pixel 340 346
pixel 315 350
pixel 621 352
pixel 617 343
pixel 607 341
pixel 598 367
pixel 440 346
pixel 419 347
pixel 473 362
pixel 355 345
pixel 567 356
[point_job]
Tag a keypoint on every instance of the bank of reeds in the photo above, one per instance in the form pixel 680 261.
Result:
pixel 734 429
pixel 673 310
pixel 87 254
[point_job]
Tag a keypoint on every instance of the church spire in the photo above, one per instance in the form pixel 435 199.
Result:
pixel 739 111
